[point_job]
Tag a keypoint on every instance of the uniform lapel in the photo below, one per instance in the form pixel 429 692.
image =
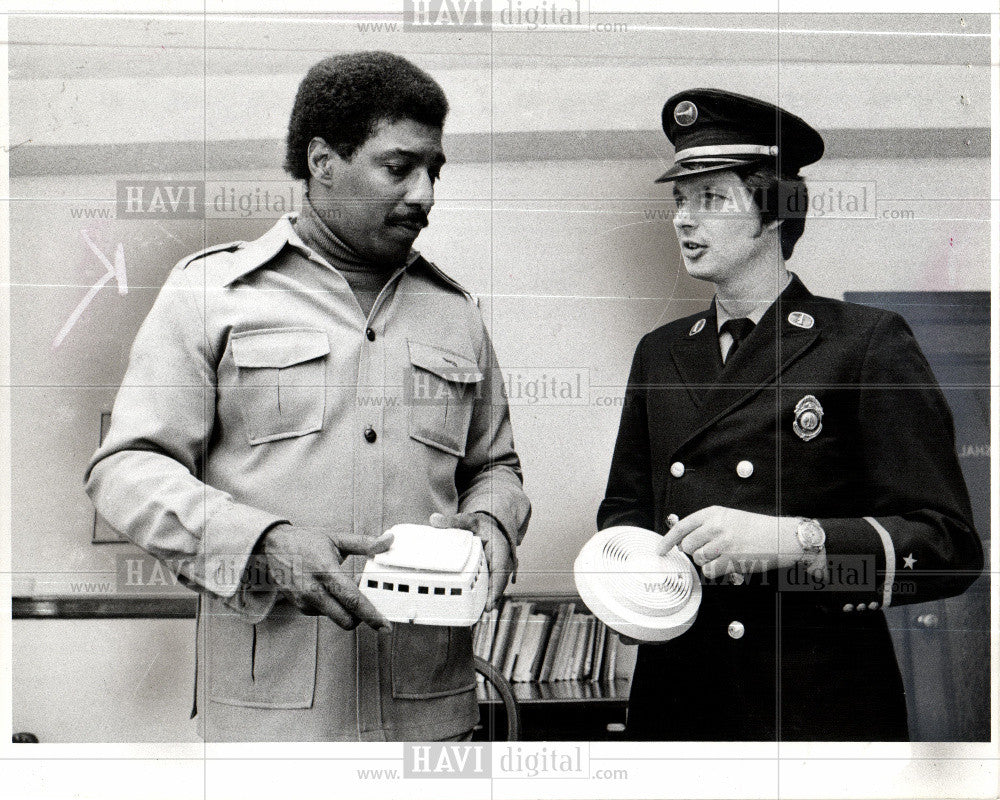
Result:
pixel 772 347
pixel 697 356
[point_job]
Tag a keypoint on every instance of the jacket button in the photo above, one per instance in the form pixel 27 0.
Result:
pixel 677 469
pixel 848 607
pixel 744 469
pixel 873 606
pixel 370 334
pixel 370 435
pixel 736 629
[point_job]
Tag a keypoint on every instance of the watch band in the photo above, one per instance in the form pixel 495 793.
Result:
pixel 814 554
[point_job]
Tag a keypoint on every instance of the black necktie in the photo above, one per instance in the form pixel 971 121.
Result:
pixel 739 329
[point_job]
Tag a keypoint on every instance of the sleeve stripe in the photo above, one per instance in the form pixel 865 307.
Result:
pixel 890 560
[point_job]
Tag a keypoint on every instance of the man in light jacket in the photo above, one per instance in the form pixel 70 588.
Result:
pixel 290 398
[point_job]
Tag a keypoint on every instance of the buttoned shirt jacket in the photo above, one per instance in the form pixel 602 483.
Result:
pixel 257 392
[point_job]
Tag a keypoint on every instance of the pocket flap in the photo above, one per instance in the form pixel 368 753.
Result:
pixel 279 347
pixel 443 363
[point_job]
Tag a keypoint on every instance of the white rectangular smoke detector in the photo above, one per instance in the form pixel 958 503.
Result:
pixel 429 576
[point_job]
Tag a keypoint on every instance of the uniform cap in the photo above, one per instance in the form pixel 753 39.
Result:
pixel 713 130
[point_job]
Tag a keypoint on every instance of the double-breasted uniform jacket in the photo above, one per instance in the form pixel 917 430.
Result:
pixel 774 654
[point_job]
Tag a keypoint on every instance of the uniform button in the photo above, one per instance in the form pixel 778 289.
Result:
pixel 370 435
pixel 744 469
pixel 370 334
pixel 861 607
pixel 736 629
pixel 873 606
pixel 677 469
pixel 848 607
pixel 736 579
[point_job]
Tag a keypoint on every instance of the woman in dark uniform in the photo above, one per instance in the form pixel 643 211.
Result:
pixel 802 447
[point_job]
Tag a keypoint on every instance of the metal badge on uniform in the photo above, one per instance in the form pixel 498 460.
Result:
pixel 685 113
pixel 696 328
pixel 808 418
pixel 800 319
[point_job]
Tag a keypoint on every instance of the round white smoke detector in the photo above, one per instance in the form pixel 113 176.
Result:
pixel 633 590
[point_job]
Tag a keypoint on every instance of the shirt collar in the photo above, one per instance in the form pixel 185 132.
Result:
pixel 253 255
pixel 755 315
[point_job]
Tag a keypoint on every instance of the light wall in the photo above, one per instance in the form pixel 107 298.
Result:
pixel 547 211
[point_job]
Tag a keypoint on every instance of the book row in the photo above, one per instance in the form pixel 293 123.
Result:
pixel 527 645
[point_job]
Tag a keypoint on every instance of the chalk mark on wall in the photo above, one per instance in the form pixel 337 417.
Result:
pixel 116 271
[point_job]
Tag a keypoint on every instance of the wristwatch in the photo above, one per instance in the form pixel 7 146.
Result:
pixel 812 540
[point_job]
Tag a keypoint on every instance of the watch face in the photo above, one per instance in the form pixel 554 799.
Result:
pixel 811 534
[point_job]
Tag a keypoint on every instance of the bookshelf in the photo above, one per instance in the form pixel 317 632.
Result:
pixel 570 675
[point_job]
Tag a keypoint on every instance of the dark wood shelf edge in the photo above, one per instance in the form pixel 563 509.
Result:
pixel 178 607
pixel 173 607
pixel 619 698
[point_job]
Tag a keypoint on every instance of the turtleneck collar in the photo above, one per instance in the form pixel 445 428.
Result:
pixel 313 230
pixel 365 277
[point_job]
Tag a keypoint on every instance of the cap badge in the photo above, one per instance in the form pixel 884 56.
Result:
pixel 800 319
pixel 808 418
pixel 696 328
pixel 685 113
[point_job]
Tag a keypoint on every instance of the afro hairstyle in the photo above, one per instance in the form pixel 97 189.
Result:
pixel 343 99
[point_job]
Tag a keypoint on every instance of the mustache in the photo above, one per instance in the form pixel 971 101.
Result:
pixel 416 218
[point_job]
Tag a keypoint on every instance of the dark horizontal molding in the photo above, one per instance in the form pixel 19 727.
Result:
pixel 177 607
pixel 162 607
pixel 241 155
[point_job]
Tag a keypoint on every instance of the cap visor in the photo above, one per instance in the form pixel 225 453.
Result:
pixel 701 167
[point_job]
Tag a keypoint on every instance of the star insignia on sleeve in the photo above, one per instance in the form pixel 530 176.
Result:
pixel 909 561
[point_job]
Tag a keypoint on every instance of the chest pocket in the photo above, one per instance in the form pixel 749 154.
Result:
pixel 442 387
pixel 281 381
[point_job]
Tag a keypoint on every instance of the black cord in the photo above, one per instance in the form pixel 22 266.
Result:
pixel 495 677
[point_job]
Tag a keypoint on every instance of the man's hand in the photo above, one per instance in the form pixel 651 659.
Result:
pixel 495 546
pixel 305 563
pixel 724 540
